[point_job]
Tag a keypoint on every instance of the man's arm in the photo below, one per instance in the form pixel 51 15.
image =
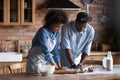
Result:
pixel 87 48
pixel 83 58
pixel 69 56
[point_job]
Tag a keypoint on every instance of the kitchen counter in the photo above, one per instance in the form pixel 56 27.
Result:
pixel 98 74
pixel 93 53
pixel 97 57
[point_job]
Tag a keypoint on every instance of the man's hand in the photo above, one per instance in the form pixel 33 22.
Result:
pixel 80 66
pixel 74 66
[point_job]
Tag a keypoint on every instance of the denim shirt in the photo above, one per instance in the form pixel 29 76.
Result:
pixel 41 39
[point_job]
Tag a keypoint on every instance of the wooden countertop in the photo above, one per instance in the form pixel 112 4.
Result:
pixel 98 74
pixel 96 53
pixel 102 53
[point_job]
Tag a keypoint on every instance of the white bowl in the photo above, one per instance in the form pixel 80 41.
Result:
pixel 46 70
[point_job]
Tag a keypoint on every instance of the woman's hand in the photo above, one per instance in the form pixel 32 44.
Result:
pixel 56 66
pixel 62 68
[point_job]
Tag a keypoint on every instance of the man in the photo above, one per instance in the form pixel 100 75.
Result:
pixel 76 41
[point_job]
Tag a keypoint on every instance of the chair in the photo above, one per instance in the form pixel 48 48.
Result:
pixel 17 68
pixel 2 71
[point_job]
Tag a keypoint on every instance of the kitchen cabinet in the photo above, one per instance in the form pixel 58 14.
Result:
pixel 1 11
pixel 27 12
pixel 17 12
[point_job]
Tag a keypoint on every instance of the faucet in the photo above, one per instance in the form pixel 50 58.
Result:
pixel 18 46
pixel 6 45
pixel 6 48
pixel 1 46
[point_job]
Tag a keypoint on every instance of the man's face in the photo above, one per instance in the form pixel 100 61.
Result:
pixel 80 26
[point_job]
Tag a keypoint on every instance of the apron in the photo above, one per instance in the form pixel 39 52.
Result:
pixel 37 58
pixel 64 59
pixel 77 59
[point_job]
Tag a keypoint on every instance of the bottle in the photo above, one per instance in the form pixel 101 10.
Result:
pixel 109 61
pixel 25 48
pixel 25 5
pixel 104 62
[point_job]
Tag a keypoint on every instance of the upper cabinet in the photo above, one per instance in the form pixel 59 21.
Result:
pixel 13 12
pixel 2 11
pixel 17 12
pixel 27 12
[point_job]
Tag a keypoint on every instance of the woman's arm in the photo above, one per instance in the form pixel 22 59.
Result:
pixel 43 42
pixel 56 52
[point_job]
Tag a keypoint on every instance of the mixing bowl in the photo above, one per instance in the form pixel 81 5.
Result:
pixel 46 70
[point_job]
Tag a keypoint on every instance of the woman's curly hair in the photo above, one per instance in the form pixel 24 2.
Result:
pixel 55 17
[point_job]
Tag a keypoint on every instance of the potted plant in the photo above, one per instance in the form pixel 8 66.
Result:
pixel 110 36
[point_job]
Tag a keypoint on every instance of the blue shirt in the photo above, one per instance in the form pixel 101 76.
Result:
pixel 78 42
pixel 41 39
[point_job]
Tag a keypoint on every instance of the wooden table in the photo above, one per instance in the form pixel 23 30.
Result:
pixel 98 74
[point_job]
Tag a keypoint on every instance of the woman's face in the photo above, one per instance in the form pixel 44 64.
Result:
pixel 56 27
pixel 80 26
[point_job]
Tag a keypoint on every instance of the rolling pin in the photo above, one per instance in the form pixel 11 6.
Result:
pixel 72 71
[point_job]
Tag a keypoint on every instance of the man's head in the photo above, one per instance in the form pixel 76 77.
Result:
pixel 81 21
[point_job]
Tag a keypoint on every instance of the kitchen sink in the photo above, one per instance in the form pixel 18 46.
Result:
pixel 10 57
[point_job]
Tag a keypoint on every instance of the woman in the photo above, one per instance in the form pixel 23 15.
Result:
pixel 46 41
